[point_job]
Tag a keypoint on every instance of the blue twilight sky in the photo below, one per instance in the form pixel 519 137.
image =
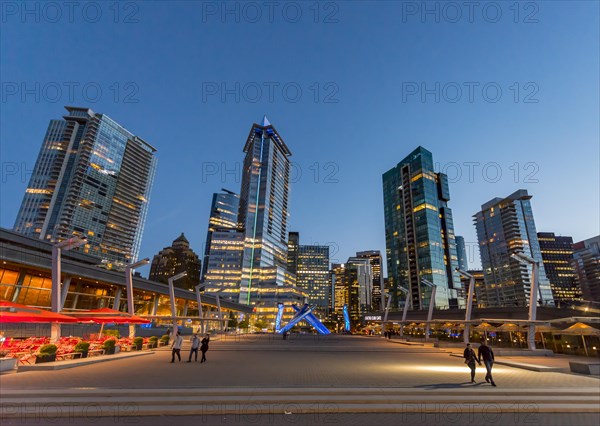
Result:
pixel 352 94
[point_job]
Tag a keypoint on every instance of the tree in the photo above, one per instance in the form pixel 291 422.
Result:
pixel 233 322
pixel 244 324
pixel 260 324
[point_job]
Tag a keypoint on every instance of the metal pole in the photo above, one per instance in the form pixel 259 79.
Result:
pixel 130 308
pixel 404 313
pixel 430 314
pixel 200 311
pixel 173 308
pixel 55 296
pixel 64 292
pixel 533 305
pixel 468 310
pixel 386 311
pixel 220 313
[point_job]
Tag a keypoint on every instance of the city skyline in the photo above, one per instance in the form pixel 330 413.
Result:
pixel 157 88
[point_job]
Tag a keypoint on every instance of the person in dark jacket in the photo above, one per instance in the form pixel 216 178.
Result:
pixel 204 347
pixel 470 360
pixel 487 354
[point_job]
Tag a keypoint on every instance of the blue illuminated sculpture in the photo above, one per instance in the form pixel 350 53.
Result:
pixel 304 313
pixel 278 318
pixel 346 318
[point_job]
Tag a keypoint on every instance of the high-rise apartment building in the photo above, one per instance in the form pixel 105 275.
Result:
pixel 340 290
pixel 313 276
pixel 586 261
pixel 170 261
pixel 376 261
pixel 92 178
pixel 506 226
pixel 419 232
pixel 263 215
pixel 461 253
pixel 557 254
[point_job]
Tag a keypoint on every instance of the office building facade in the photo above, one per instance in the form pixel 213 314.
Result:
pixel 313 276
pixel 506 226
pixel 586 261
pixel 177 258
pixel 263 214
pixel 479 293
pixel 292 256
pixel 92 179
pixel 557 254
pixel 420 233
pixel 461 253
pixel 376 261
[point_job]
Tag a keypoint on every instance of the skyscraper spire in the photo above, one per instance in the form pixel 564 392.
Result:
pixel 265 121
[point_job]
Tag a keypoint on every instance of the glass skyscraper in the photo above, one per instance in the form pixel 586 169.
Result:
pixel 263 214
pixel 313 275
pixel 461 253
pixel 222 269
pixel 92 178
pixel 419 232
pixel 506 226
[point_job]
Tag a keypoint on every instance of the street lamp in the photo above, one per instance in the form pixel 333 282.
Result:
pixel 172 297
pixel 199 300
pixel 56 302
pixel 129 284
pixel 469 303
pixel 431 304
pixel 524 259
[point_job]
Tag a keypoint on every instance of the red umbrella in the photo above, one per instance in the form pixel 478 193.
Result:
pixel 106 315
pixel 14 312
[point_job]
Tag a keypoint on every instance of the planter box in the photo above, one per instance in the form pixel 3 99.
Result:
pixel 117 349
pixel 84 354
pixel 45 358
pixel 8 364
pixel 110 351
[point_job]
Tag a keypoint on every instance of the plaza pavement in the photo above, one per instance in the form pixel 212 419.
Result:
pixel 315 379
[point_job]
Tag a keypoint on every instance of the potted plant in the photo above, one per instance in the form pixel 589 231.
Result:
pixel 46 353
pixel 137 343
pixel 164 340
pixel 109 346
pixel 83 348
pixel 153 342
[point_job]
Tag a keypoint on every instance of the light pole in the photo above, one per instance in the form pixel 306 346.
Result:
pixel 532 295
pixel 405 311
pixel 129 284
pixel 56 302
pixel 172 297
pixel 200 311
pixel 431 304
pixel 469 304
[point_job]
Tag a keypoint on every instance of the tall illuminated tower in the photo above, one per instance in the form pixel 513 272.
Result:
pixel 263 215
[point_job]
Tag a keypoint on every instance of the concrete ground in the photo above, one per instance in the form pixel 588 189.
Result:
pixel 379 382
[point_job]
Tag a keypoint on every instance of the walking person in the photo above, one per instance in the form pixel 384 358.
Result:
pixel 194 350
pixel 487 354
pixel 204 347
pixel 470 360
pixel 176 347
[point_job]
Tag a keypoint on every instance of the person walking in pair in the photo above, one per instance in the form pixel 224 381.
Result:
pixel 176 347
pixel 487 354
pixel 470 360
pixel 194 350
pixel 204 347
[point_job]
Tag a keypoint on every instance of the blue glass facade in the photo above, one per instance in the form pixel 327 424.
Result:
pixel 420 232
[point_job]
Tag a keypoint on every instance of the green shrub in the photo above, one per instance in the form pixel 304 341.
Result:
pixel 48 349
pixel 165 338
pixel 109 344
pixel 114 333
pixel 82 347
pixel 138 341
pixel 153 339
